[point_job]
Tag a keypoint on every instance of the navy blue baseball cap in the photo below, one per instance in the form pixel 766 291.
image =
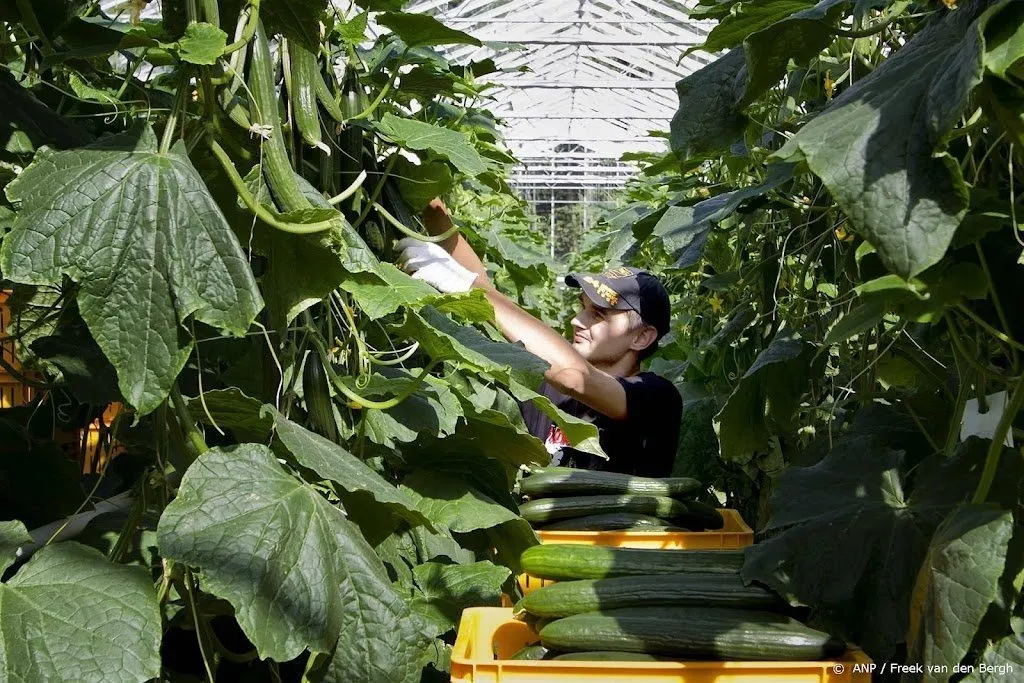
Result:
pixel 627 288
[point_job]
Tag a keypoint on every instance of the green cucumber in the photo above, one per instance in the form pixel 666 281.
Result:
pixel 327 99
pixel 568 481
pixel 610 521
pixel 317 393
pixel 544 510
pixel 718 633
pixel 609 656
pixel 300 73
pixel 350 138
pixel 566 598
pixel 532 652
pixel 277 168
pixel 700 516
pixel 566 562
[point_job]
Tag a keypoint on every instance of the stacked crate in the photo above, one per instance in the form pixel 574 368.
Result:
pixel 12 392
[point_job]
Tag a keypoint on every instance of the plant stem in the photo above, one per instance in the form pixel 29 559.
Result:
pixel 28 16
pixel 348 191
pixel 988 328
pixel 383 93
pixel 377 189
pixel 172 120
pixel 352 396
pixel 195 442
pixel 401 227
pixel 995 449
pixel 248 32
pixel 262 212
pixel 211 12
pixel 199 625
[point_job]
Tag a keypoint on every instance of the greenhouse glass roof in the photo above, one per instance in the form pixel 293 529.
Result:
pixel 601 75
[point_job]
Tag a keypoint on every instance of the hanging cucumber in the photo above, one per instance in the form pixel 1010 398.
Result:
pixel 301 73
pixel 375 238
pixel 277 168
pixel 393 202
pixel 351 139
pixel 327 100
pixel 232 96
pixel 317 393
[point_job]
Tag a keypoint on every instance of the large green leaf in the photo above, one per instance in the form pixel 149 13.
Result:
pixel 296 571
pixel 202 43
pixel 302 270
pixel 71 615
pixel 869 531
pixel 432 411
pixel 797 38
pixel 1002 91
pixel 955 586
pixel 386 291
pixel 708 117
pixel 298 20
pixel 454 145
pixel 420 29
pixel 28 124
pixel 446 589
pixel 443 339
pixel 767 35
pixel 13 535
pixel 879 146
pixel 1000 659
pixel 330 461
pixel 233 410
pixel 138 230
pixel 684 229
pixel 39 483
pixel 751 17
pixel 454 503
pixel 421 183
pixel 494 434
pixel 765 398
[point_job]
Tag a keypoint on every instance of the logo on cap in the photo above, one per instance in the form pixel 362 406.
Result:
pixel 603 290
pixel 616 273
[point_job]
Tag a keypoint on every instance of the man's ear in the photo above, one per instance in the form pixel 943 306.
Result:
pixel 646 336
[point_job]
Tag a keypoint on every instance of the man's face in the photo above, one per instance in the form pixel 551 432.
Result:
pixel 601 335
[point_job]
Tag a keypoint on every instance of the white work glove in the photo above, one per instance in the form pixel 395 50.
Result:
pixel 429 262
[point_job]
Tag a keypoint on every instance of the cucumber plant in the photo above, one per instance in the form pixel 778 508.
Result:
pixel 197 217
pixel 838 219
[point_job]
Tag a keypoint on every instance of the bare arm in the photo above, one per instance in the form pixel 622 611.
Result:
pixel 570 373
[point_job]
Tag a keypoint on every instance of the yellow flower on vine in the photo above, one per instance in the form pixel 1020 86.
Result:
pixel 716 303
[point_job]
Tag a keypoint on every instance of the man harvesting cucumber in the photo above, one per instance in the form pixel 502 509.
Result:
pixel 622 314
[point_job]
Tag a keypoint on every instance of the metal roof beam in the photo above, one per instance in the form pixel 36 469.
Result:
pixel 606 84
pixel 634 41
pixel 577 117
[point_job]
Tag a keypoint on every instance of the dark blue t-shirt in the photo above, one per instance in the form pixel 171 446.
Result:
pixel 644 443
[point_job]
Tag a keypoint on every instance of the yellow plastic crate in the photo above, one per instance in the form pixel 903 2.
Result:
pixel 489 636
pixel 12 392
pixel 734 534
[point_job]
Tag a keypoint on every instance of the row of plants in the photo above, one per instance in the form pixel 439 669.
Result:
pixel 838 221
pixel 316 452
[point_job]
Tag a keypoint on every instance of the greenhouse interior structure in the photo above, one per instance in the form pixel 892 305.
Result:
pixel 491 341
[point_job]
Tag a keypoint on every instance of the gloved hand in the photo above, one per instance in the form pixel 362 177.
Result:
pixel 431 263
